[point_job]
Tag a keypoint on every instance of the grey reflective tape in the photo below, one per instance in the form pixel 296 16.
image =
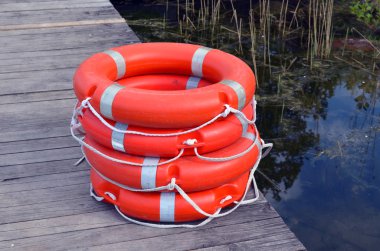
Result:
pixel 238 89
pixel 107 99
pixel 243 123
pixel 117 139
pixel 249 135
pixel 119 61
pixel 197 61
pixel 167 206
pixel 148 172
pixel 192 83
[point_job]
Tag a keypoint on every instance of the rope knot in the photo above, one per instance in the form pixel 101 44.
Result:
pixel 172 184
pixel 190 142
pixel 226 111
pixel 84 103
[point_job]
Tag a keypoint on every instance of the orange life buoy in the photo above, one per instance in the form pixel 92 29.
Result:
pixel 168 206
pixel 191 173
pixel 233 84
pixel 217 135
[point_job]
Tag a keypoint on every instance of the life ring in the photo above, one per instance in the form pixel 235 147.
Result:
pixel 168 206
pixel 215 136
pixel 233 84
pixel 191 173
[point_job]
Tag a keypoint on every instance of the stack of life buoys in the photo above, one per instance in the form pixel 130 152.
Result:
pixel 168 130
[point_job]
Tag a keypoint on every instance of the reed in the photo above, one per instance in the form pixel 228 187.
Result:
pixel 320 29
pixel 252 32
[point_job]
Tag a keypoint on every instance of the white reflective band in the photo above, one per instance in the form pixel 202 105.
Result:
pixel 238 89
pixel 107 99
pixel 148 172
pixel 243 123
pixel 192 83
pixel 118 138
pixel 119 61
pixel 167 206
pixel 197 61
pixel 249 135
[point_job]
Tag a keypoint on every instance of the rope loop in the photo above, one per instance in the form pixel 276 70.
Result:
pixel 172 185
pixel 228 110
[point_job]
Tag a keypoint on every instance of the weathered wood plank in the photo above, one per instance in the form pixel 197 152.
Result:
pixel 56 208
pixel 61 17
pixel 51 5
pixel 35 182
pixel 61 41
pixel 20 172
pixel 24 146
pixel 40 156
pixel 117 236
pixel 282 241
pixel 71 223
pixel 28 97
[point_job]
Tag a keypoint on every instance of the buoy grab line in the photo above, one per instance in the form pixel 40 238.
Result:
pixel 173 186
pixel 228 109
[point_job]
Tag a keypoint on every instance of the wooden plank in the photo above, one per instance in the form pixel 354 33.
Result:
pixel 63 224
pixel 57 41
pixel 58 18
pixel 60 24
pixel 40 156
pixel 117 27
pixel 51 209
pixel 47 181
pixel 26 171
pixel 51 5
pixel 120 235
pixel 23 146
pixel 282 241
pixel 31 96
pixel 205 237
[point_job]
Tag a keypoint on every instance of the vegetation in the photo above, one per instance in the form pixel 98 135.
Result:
pixel 367 11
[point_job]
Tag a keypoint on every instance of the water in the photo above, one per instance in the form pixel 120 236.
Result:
pixel 323 175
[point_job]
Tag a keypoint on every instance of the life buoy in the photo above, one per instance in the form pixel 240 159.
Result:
pixel 168 206
pixel 191 173
pixel 233 84
pixel 215 136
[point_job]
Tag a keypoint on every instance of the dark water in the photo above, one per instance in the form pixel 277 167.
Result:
pixel 323 175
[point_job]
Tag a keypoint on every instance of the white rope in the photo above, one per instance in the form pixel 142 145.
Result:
pixel 93 149
pixel 157 225
pixel 222 159
pixel 217 214
pixel 228 109
pixel 86 104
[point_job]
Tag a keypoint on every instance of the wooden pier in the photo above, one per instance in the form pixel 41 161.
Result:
pixel 44 198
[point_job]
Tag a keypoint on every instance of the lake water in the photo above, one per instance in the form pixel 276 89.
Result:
pixel 323 174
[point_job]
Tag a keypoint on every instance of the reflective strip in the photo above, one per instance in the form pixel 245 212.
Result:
pixel 197 61
pixel 107 99
pixel 119 61
pixel 238 89
pixel 118 137
pixel 249 135
pixel 167 206
pixel 243 123
pixel 148 172
pixel 192 83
